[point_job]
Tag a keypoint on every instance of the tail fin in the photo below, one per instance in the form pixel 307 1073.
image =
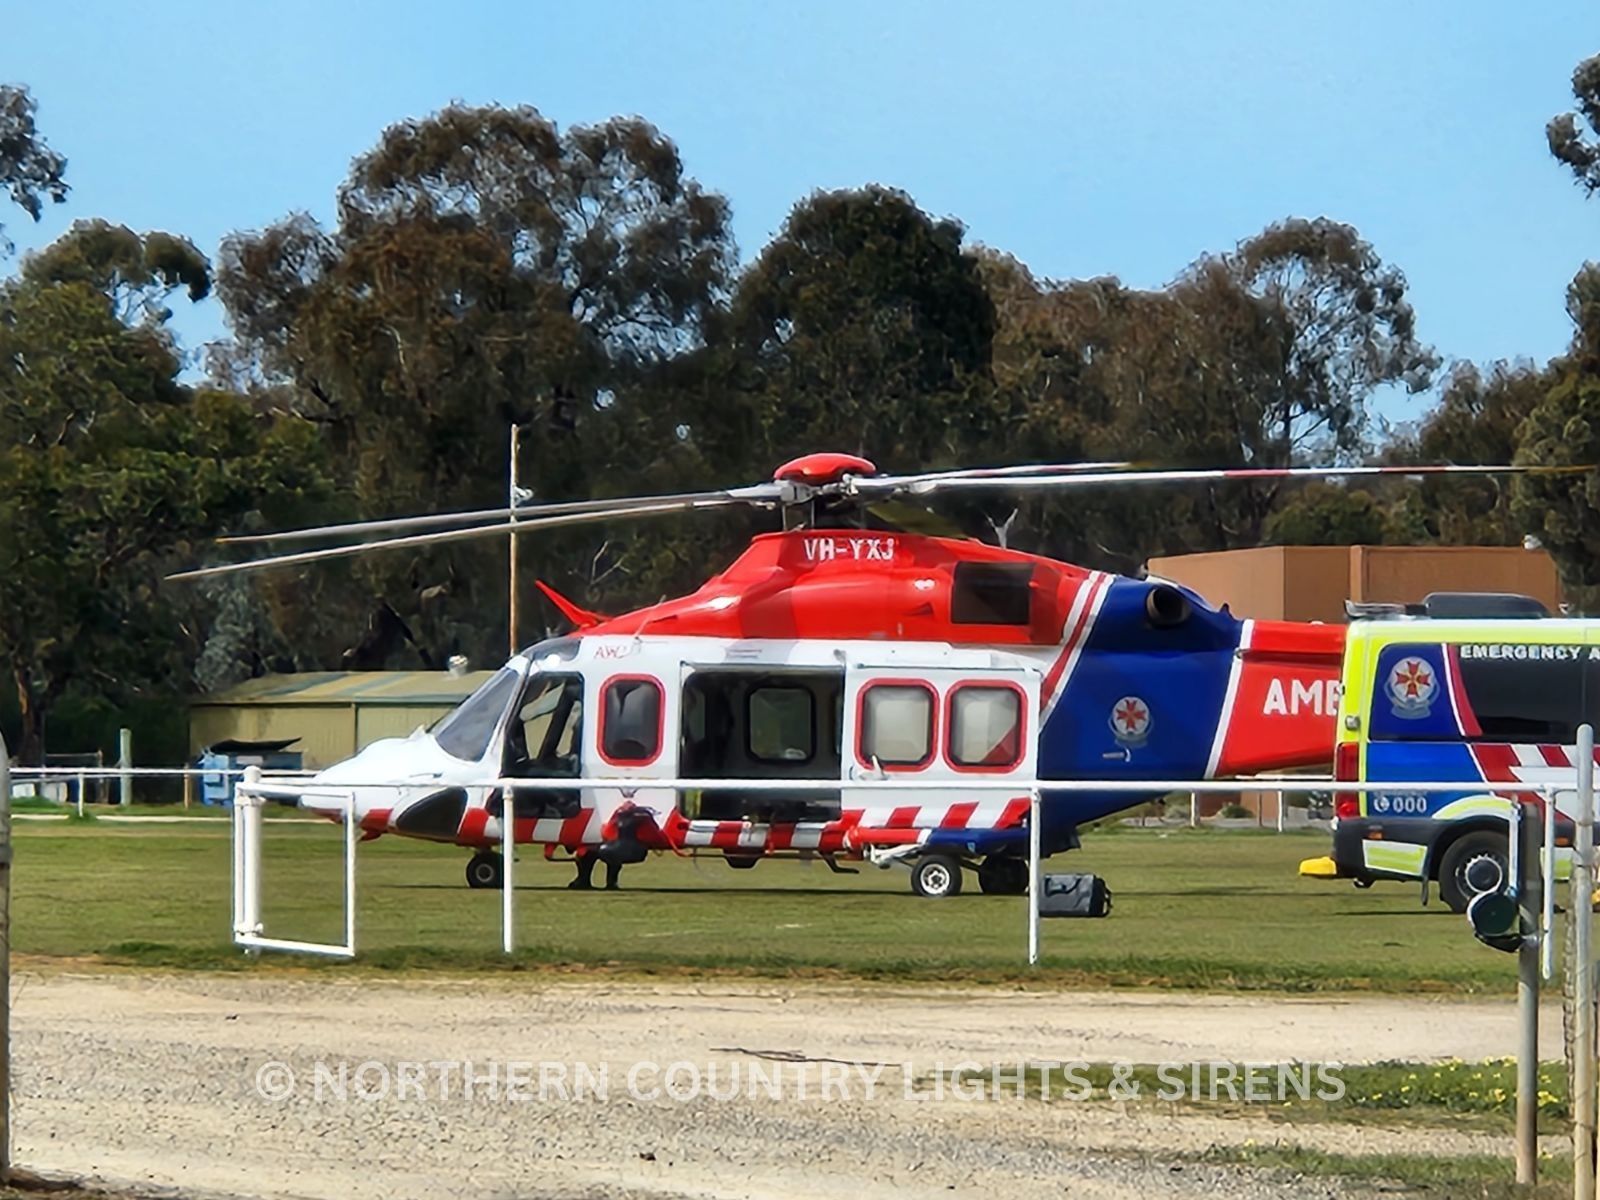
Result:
pixel 1283 699
pixel 582 618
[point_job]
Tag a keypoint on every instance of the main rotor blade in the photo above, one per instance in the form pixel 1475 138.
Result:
pixel 498 529
pixel 1017 483
pixel 757 494
pixel 899 481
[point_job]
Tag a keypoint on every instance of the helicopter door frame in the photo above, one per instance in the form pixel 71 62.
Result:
pixel 605 763
pixel 945 804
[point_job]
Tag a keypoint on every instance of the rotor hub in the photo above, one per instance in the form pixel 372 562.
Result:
pixel 815 470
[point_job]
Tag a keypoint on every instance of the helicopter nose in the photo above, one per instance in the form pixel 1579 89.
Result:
pixel 333 806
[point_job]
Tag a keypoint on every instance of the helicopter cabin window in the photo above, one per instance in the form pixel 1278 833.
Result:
pixel 782 724
pixel 991 593
pixel 466 730
pixel 630 720
pixel 897 725
pixel 985 727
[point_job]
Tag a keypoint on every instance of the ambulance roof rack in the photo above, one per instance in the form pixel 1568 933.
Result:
pixel 1440 605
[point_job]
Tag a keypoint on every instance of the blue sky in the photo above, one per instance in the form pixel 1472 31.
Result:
pixel 1086 138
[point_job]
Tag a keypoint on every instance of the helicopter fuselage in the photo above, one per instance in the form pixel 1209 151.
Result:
pixel 821 662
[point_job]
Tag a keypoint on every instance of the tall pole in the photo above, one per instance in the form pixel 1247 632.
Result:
pixel 511 503
pixel 1583 1061
pixel 5 960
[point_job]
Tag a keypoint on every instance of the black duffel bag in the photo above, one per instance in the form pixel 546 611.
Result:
pixel 1074 896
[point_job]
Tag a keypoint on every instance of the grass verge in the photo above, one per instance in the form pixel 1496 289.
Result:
pixel 1466 1178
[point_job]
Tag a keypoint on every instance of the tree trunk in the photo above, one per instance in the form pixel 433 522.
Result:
pixel 30 750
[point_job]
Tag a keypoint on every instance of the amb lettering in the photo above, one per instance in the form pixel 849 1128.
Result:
pixel 858 549
pixel 1317 696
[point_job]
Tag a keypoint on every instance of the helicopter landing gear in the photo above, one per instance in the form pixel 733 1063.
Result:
pixel 936 876
pixel 1003 875
pixel 484 870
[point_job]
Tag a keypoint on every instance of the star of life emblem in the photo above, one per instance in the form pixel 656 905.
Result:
pixel 1130 721
pixel 1413 685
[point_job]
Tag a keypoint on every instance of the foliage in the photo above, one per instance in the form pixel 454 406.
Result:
pixel 1327 515
pixel 1574 137
pixel 487 269
pixel 863 326
pixel 108 468
pixel 138 272
pixel 1477 420
pixel 1563 511
pixel 30 171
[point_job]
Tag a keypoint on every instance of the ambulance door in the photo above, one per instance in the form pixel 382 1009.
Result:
pixel 950 726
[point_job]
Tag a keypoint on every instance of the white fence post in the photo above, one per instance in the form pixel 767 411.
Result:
pixel 508 881
pixel 124 761
pixel 1034 886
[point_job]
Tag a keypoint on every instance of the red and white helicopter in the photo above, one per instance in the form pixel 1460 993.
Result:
pixel 846 655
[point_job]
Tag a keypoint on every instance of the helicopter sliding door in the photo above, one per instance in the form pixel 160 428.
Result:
pixel 761 722
pixel 948 726
pixel 632 711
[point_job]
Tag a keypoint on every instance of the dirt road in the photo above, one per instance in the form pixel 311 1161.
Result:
pixel 719 1090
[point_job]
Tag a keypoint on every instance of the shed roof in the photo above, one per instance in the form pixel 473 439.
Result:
pixel 349 687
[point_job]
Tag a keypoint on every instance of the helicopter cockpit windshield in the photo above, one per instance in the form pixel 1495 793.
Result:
pixel 466 730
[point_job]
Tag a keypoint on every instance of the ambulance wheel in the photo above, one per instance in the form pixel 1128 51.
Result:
pixel 484 870
pixel 936 876
pixel 1480 855
pixel 1003 875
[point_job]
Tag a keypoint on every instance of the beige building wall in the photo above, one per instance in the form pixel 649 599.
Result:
pixel 1250 582
pixel 1311 583
pixel 327 732
pixel 1408 573
pixel 374 721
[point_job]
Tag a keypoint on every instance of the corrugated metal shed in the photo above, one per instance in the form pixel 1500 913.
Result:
pixel 332 713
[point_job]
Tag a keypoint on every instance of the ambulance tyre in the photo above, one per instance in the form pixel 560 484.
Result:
pixel 1003 875
pixel 936 876
pixel 484 870
pixel 1475 849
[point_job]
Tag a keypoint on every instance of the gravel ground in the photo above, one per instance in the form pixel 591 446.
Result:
pixel 159 1079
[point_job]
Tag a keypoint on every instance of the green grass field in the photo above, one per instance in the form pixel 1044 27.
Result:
pixel 1205 909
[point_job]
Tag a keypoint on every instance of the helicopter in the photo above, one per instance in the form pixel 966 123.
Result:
pixel 848 656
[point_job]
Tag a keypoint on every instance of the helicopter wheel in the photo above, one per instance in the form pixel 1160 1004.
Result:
pixel 484 870
pixel 1003 875
pixel 936 876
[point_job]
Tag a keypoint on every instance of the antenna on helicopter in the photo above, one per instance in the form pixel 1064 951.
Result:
pixel 1002 529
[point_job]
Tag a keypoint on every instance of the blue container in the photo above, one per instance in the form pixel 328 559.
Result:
pixel 235 755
